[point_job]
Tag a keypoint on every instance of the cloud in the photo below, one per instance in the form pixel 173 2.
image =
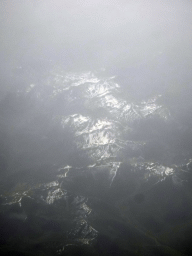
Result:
pixel 92 34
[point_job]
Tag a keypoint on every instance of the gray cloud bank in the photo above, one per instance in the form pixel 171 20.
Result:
pixel 142 42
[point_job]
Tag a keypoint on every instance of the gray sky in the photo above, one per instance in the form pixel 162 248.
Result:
pixel 143 40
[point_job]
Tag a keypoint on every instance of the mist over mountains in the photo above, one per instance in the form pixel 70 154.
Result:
pixel 95 128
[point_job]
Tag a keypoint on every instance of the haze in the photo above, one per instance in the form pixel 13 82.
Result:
pixel 146 44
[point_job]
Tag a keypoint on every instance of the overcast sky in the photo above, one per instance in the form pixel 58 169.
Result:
pixel 145 40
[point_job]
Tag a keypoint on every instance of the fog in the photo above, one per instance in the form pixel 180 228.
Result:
pixel 146 44
pixel 95 127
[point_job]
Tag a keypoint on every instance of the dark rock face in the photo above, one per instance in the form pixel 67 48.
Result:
pixel 3 164
pixel 139 198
